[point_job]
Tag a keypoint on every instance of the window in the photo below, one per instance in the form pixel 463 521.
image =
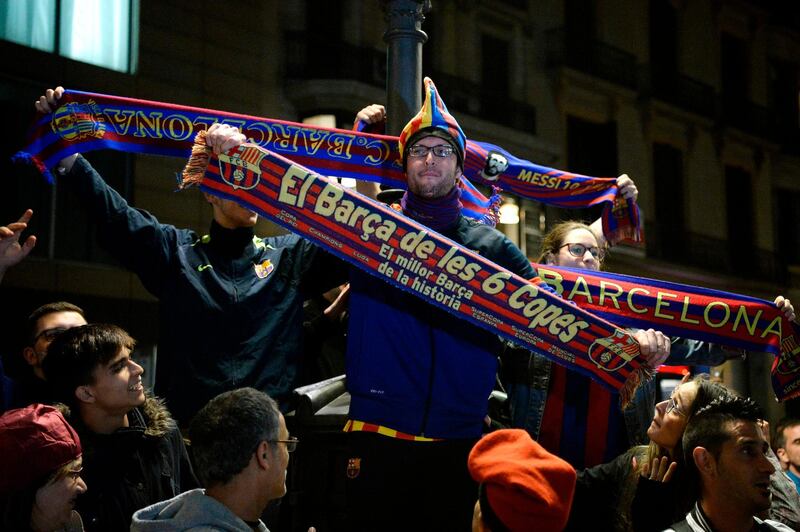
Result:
pixel 99 32
pixel 788 220
pixel 740 215
pixel 669 238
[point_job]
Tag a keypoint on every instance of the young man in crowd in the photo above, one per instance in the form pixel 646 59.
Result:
pixel 787 447
pixel 231 303
pixel 726 453
pixel 44 324
pixel 134 452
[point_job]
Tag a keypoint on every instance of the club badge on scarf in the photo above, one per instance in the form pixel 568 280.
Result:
pixel 90 121
pixel 689 312
pixel 411 257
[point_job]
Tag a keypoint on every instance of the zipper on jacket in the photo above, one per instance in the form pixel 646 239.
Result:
pixel 430 385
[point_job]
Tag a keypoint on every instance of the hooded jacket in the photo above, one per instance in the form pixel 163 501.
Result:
pixel 132 467
pixel 192 510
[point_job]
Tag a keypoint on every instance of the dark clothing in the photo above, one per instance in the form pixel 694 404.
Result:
pixel 6 391
pixel 231 304
pixel 131 468
pixel 608 495
pixel 414 368
pixel 405 485
pixel 31 389
pixel 418 369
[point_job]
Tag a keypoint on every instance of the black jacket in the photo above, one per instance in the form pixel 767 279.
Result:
pixel 131 468
pixel 231 304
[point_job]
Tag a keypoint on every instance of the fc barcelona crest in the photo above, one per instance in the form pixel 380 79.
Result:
pixel 789 360
pixel 353 467
pixel 613 352
pixel 263 269
pixel 241 170
pixel 77 121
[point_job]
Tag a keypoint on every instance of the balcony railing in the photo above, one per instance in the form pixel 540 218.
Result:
pixel 309 57
pixel 679 90
pixel 713 254
pixel 591 57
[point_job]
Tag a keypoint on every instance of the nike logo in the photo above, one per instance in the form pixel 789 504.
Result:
pixel 204 267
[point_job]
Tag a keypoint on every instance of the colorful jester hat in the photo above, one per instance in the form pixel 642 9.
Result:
pixel 433 119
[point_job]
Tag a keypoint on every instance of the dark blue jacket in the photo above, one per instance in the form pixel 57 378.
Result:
pixel 417 369
pixel 230 303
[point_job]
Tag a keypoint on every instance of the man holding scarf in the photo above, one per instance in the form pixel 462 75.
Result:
pixel 231 303
pixel 419 378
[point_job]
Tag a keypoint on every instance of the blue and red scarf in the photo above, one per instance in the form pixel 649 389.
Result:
pixel 86 122
pixel 89 121
pixel 411 257
pixel 689 312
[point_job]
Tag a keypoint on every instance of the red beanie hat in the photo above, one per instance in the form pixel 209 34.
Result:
pixel 34 442
pixel 527 487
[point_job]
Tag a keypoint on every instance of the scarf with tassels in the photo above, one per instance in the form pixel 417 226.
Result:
pixel 88 121
pixel 689 312
pixel 405 254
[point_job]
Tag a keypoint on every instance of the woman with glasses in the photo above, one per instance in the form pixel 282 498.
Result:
pixel 647 488
pixel 567 412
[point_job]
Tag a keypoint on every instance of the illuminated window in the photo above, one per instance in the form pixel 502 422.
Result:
pixel 99 32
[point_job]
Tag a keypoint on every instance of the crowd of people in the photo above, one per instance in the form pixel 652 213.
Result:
pixel 84 446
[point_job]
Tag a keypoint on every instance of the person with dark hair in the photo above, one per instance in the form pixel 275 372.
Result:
pixel 567 412
pixel 135 454
pixel 40 460
pixel 647 488
pixel 418 377
pixel 727 459
pixel 241 448
pixel 43 325
pixel 231 303
pixel 787 447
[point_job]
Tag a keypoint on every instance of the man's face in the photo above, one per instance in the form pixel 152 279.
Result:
pixel 790 452
pixel 117 386
pixel 47 328
pixel 56 499
pixel 230 214
pixel 743 469
pixel 280 461
pixel 431 176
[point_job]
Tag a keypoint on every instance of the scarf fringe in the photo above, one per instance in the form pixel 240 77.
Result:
pixel 492 216
pixel 22 157
pixel 195 168
pixel 637 377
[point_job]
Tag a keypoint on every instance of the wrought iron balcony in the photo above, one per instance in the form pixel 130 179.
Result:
pixel 591 57
pixel 713 254
pixel 679 90
pixel 309 57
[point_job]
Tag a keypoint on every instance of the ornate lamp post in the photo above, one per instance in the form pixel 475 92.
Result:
pixel 404 38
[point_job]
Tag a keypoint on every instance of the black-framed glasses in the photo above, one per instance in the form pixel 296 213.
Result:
pixel 49 334
pixel 673 405
pixel 291 443
pixel 579 250
pixel 440 150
